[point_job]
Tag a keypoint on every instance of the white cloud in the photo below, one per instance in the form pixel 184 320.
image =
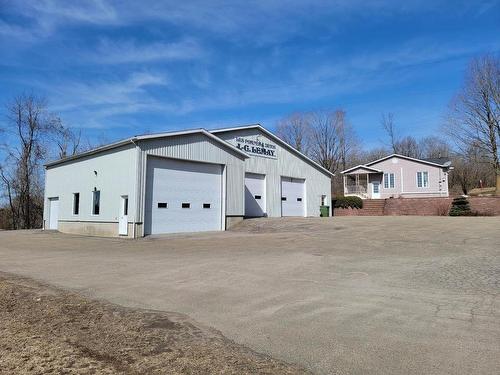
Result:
pixel 260 22
pixel 116 52
pixel 91 11
pixel 15 31
pixel 412 53
pixel 94 102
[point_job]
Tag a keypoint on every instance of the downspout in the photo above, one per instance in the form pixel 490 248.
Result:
pixel 402 188
pixel 440 183
pixel 137 154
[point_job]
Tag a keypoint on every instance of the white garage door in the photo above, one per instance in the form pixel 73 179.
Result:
pixel 255 194
pixel 292 197
pixel 182 196
pixel 53 213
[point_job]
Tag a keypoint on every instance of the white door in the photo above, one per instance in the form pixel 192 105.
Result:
pixel 375 190
pixel 182 196
pixel 123 219
pixel 53 213
pixel 255 194
pixel 292 197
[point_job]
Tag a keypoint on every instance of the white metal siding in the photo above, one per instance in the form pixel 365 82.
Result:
pixel 255 195
pixel 286 164
pixel 112 172
pixel 199 147
pixel 170 183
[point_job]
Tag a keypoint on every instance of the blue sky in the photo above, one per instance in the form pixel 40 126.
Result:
pixel 118 68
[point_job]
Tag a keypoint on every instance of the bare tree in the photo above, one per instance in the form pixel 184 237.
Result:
pixel 434 147
pixel 471 170
pixel 409 146
pixel 387 121
pixel 68 142
pixel 295 130
pixel 28 125
pixel 372 155
pixel 325 139
pixel 475 112
pixel 349 145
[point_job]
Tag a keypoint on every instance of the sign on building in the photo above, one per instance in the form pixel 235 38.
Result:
pixel 256 146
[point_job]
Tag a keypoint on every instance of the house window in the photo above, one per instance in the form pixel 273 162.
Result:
pixel 423 179
pixel 76 203
pixel 162 205
pixel 389 180
pixel 96 202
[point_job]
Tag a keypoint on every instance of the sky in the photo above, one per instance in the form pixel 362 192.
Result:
pixel 121 68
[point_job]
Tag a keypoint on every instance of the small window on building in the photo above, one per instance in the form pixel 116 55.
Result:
pixel 76 203
pixel 299 199
pixel 96 202
pixel 186 205
pixel 125 206
pixel 162 205
pixel 423 179
pixel 206 205
pixel 258 197
pixel 389 180
pixel 283 198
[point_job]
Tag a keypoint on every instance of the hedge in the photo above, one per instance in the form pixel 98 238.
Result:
pixel 348 202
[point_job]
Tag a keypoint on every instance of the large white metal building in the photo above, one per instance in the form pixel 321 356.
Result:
pixel 187 181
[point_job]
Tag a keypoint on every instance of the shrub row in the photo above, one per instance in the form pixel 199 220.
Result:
pixel 348 202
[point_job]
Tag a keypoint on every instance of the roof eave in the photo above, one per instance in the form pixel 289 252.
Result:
pixel 361 166
pixel 91 152
pixel 143 138
pixel 407 158
pixel 194 131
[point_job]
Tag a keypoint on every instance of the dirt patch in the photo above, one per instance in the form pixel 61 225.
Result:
pixel 50 331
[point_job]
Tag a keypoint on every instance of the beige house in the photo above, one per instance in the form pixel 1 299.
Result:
pixel 398 176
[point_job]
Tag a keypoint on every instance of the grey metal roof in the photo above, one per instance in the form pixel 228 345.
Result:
pixel 145 137
pixel 440 161
pixel 446 165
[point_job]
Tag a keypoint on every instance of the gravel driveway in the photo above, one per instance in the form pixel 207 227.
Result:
pixel 351 295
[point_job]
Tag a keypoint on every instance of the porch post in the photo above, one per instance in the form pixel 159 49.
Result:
pixel 343 179
pixel 367 183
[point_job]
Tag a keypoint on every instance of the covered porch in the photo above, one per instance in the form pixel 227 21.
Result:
pixel 362 181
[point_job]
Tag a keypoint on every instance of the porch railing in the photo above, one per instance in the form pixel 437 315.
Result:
pixel 355 189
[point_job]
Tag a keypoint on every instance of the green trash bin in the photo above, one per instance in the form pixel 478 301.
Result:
pixel 324 211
